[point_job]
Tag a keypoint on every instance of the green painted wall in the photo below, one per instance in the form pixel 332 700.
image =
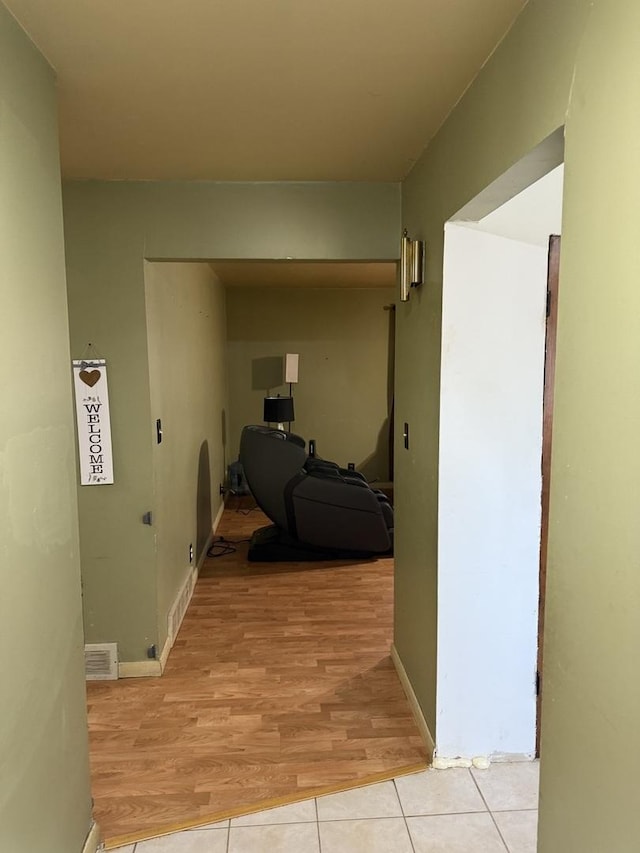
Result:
pixel 186 328
pixel 109 229
pixel 518 100
pixel 342 338
pixel 577 63
pixel 105 283
pixel 592 699
pixel 44 782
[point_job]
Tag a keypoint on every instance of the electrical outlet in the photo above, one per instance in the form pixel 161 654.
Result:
pixel 191 552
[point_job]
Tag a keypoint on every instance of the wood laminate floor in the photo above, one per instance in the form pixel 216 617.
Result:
pixel 279 687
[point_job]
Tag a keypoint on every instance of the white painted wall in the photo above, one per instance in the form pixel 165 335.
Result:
pixel 532 215
pixel 493 339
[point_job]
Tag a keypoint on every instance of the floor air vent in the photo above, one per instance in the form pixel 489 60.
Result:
pixel 101 661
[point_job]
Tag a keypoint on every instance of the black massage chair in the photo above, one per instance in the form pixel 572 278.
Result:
pixel 319 510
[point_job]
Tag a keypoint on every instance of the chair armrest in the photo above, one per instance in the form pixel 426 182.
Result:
pixel 320 467
pixel 334 513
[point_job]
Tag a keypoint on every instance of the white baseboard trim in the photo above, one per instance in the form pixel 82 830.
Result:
pixel 155 668
pixel 164 654
pixel 177 613
pixel 216 520
pixel 421 723
pixel 214 527
pixel 139 668
pixel 511 757
pixel 203 555
pixel 92 843
pixel 480 762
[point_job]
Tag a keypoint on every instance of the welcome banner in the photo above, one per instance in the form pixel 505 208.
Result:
pixel 94 424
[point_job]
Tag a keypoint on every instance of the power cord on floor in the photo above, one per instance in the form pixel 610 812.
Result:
pixel 220 547
pixel 239 495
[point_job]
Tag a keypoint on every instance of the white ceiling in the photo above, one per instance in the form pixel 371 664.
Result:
pixel 258 89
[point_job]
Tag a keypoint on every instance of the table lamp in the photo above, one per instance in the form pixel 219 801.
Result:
pixel 278 410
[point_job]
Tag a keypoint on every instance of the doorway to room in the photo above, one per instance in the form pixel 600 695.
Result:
pixel 283 669
pixel 332 316
pixel 217 336
pixel 491 454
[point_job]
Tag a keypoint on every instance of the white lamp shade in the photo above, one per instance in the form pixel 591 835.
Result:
pixel 291 367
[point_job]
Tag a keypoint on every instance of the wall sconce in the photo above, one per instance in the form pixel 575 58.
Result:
pixel 411 265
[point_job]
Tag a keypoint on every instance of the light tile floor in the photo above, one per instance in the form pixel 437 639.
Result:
pixel 436 811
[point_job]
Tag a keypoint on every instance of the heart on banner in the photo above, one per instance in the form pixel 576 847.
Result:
pixel 90 377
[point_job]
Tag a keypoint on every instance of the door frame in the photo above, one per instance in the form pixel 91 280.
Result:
pixel 553 274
